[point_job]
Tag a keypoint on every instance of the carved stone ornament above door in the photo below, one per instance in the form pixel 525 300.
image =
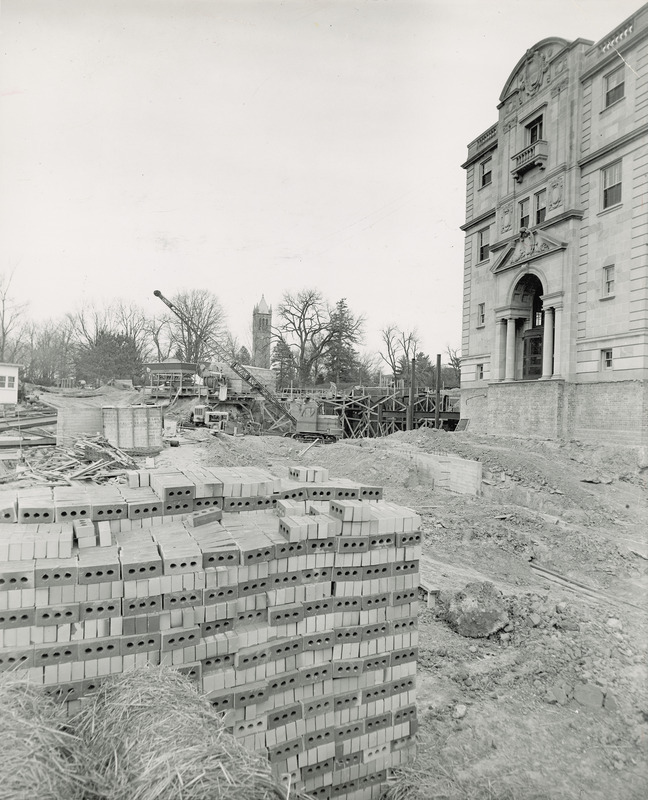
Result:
pixel 528 246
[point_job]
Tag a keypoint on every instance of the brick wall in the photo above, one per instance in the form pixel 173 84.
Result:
pixel 611 412
pixel 474 408
pixel 526 408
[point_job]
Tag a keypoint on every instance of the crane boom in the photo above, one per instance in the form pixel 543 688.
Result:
pixel 234 365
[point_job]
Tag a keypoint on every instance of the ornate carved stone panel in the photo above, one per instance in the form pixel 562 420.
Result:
pixel 506 217
pixel 555 190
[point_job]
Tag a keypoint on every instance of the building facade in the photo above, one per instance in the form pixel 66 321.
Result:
pixel 261 334
pixel 9 383
pixel 555 315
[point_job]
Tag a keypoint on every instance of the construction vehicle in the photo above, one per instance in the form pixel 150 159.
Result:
pixel 308 426
pixel 312 425
pixel 204 415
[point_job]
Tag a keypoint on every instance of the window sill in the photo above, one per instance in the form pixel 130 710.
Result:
pixel 615 207
pixel 479 327
pixel 607 297
pixel 485 186
pixel 485 261
pixel 612 105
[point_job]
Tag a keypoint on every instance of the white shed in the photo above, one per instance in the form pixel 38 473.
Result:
pixel 9 383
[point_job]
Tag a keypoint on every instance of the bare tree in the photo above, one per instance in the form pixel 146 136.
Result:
pixel 203 309
pixel 400 347
pixel 390 336
pixel 10 317
pixel 47 352
pixel 158 331
pixel 454 359
pixel 305 329
pixel 409 343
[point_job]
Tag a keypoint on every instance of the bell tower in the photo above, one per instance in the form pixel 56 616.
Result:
pixel 261 334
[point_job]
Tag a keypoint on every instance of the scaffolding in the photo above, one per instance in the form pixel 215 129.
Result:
pixel 369 416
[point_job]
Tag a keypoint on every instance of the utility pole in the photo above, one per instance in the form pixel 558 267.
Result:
pixel 409 420
pixel 437 405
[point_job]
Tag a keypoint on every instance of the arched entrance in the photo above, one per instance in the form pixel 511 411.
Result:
pixel 527 295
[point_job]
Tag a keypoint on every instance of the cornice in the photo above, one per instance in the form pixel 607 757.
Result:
pixel 478 220
pixel 637 133
pixel 613 55
pixel 492 145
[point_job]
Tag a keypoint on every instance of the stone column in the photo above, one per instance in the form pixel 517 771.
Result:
pixel 547 343
pixel 557 337
pixel 509 369
pixel 497 362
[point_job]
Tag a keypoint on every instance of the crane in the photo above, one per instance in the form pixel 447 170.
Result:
pixel 270 398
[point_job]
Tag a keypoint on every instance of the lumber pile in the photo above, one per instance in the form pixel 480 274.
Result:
pixel 292 604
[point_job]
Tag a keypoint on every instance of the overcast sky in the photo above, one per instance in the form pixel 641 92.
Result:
pixel 252 147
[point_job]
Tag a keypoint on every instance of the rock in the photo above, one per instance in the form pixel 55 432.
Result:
pixel 586 694
pixel 477 611
pixel 459 711
pixel 559 694
pixel 614 624
pixel 610 703
pixel 535 619
pixel 568 625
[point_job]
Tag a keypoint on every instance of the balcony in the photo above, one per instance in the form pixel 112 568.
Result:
pixel 534 155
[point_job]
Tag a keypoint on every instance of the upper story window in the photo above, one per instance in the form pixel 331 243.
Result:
pixel 614 86
pixel 524 213
pixel 611 180
pixel 481 314
pixel 480 372
pixel 540 206
pixel 483 242
pixel 534 130
pixel 608 280
pixel 486 172
pixel 3 382
pixel 606 359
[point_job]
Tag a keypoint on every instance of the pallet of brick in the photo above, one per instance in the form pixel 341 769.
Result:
pixel 35 504
pixel 301 629
pixel 172 486
pixel 8 507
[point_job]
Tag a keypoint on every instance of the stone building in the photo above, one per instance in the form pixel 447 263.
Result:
pixel 261 334
pixel 555 316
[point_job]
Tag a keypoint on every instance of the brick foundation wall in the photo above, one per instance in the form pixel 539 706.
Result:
pixel 474 408
pixel 613 412
pixel 526 408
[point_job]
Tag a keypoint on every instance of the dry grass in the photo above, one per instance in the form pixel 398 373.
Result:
pixel 150 736
pixel 40 758
pixel 442 772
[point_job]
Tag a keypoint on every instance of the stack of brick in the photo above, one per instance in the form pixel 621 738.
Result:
pixel 299 624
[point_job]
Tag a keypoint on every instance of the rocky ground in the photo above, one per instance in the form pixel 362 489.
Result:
pixel 553 704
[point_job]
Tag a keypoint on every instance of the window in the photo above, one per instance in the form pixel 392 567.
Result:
pixel 480 372
pixel 481 314
pixel 540 206
pixel 11 382
pixel 524 213
pixel 534 130
pixel 612 185
pixel 608 281
pixel 614 86
pixel 486 171
pixel 3 382
pixel 484 244
pixel 606 359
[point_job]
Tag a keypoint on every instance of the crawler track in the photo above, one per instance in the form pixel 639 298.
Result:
pixel 580 588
